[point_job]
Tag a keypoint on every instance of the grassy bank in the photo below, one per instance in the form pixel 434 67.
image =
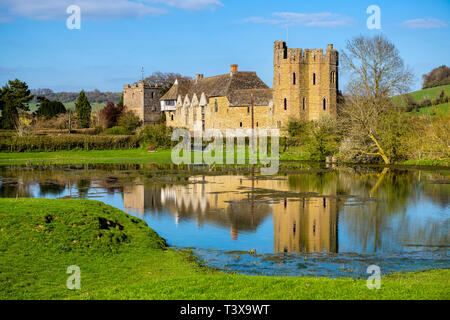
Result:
pixel 121 258
pixel 143 156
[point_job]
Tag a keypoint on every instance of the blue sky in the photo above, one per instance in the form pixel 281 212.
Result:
pixel 119 37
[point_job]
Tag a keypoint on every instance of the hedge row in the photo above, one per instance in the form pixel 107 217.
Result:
pixel 67 142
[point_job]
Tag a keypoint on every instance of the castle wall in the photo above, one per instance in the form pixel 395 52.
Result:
pixel 305 86
pixel 227 117
pixel 304 75
pixel 143 100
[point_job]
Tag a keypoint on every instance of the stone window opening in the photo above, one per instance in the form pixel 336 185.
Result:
pixel 285 103
pixel 324 104
pixel 314 79
pixel 333 77
pixel 248 109
pixel 216 106
pixel 171 117
pixel 294 78
pixel 304 103
pixel 240 124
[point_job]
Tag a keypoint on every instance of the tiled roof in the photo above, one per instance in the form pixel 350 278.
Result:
pixel 230 85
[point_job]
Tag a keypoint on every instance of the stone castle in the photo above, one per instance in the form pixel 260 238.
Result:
pixel 305 86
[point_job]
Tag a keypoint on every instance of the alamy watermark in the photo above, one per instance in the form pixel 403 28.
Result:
pixel 74 20
pixel 374 20
pixel 374 280
pixel 74 280
pixel 236 140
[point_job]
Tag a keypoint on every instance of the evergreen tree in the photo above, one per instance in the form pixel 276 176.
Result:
pixel 120 103
pixel 49 109
pixel 83 109
pixel 13 97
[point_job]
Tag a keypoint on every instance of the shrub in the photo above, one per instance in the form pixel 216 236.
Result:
pixel 296 128
pixel 109 115
pixel 49 109
pixel 425 103
pixel 60 122
pixel 129 121
pixel 155 136
pixel 410 102
pixel 440 98
pixel 66 142
pixel 323 138
pixel 118 130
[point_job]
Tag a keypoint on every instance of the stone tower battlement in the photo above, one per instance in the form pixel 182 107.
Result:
pixel 143 99
pixel 305 82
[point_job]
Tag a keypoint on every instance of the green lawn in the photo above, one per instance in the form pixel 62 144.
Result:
pixel 82 156
pixel 121 258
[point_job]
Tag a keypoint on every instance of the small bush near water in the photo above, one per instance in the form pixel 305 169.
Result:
pixel 118 131
pixel 155 136
pixel 67 142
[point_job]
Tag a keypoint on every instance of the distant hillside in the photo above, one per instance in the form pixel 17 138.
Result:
pixel 430 94
pixel 93 96
pixel 71 105
pixel 96 98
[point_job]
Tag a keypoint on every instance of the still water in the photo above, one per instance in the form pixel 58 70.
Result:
pixel 308 220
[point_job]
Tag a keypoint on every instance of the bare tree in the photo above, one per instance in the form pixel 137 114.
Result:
pixel 377 72
pixel 376 68
pixel 165 80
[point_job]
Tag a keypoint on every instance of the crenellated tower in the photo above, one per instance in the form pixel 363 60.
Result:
pixel 305 83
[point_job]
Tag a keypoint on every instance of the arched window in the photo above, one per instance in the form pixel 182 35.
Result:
pixel 294 78
pixel 314 79
pixel 304 103
pixel 285 104
pixel 324 104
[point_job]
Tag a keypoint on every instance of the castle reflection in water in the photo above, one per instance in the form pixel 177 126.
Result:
pixel 242 204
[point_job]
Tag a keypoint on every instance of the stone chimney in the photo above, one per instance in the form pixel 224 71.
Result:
pixel 198 77
pixel 330 47
pixel 234 68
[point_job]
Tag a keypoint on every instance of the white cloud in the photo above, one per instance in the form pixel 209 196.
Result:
pixel 98 9
pixel 321 19
pixel 421 23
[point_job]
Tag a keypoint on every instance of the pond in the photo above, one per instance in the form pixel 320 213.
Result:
pixel 309 220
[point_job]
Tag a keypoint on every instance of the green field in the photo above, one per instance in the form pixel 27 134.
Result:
pixel 293 154
pixel 121 258
pixel 429 93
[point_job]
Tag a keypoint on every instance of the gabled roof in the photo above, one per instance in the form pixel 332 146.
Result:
pixel 220 86
pixel 243 97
